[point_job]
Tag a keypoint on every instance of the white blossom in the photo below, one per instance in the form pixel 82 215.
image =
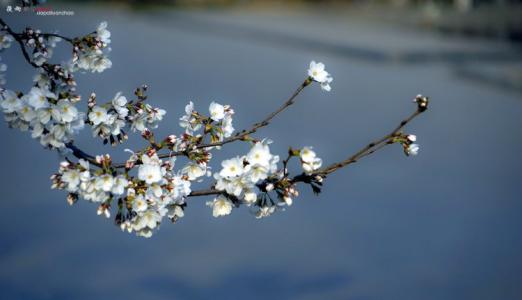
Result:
pixel 250 197
pixel 318 73
pixel 27 113
pixel 188 121
pixel 139 204
pixel 180 187
pixel 217 111
pixel 37 97
pixel 65 111
pixel 119 103
pixel 150 171
pixel 119 185
pixel 260 155
pixel 413 149
pixel 232 167
pixel 195 170
pixel 72 178
pixel 240 175
pixel 411 137
pixel 42 80
pixel 146 118
pixel 309 160
pixel 10 102
pixel 92 57
pixel 221 206
pixel 98 115
pixel 227 126
pixel 154 191
pixel 103 34
pixel 104 182
pixel 98 63
pixel 145 221
pixel 174 212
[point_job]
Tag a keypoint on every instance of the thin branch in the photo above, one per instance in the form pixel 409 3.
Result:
pixel 206 192
pixel 368 149
pixel 78 153
pixel 20 41
pixel 365 151
pixel 244 133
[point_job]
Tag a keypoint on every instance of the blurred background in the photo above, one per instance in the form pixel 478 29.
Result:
pixel 446 224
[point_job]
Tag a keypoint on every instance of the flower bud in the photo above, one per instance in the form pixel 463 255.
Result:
pixel 422 102
pixel 72 198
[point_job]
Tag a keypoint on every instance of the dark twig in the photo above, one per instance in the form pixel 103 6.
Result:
pixel 244 133
pixel 370 148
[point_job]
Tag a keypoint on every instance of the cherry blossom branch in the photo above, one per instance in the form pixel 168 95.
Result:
pixel 422 105
pixel 149 188
pixel 19 37
pixel 80 154
pixel 245 133
pixel 376 145
pixel 20 41
pixel 242 135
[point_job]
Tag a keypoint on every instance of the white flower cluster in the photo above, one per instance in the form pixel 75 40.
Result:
pixel 411 149
pixel 97 187
pixel 108 123
pixel 309 160
pixel 318 73
pixel 88 52
pixel 109 120
pixel 163 194
pixel 239 176
pixel 156 192
pixel 220 115
pixel 190 121
pixel 43 47
pixel 52 119
pixel 145 117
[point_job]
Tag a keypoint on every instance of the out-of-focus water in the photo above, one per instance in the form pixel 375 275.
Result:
pixel 443 225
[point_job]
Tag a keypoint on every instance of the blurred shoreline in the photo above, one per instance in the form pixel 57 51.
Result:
pixel 495 19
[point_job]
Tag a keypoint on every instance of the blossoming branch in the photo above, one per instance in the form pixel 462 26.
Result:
pixel 151 185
